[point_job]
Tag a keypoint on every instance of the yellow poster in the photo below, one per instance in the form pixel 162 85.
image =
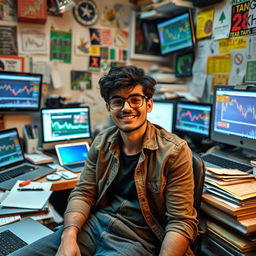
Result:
pixel 226 45
pixel 204 23
pixel 219 79
pixel 219 64
pixel 94 50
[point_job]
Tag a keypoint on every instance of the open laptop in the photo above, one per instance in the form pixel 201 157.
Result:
pixel 17 235
pixel 72 156
pixel 13 165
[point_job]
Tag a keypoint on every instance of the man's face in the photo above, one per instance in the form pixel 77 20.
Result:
pixel 130 119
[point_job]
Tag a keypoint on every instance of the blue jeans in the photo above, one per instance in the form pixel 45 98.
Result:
pixel 102 235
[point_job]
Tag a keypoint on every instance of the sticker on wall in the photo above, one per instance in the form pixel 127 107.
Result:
pixel 94 36
pixel 117 15
pixel 105 37
pixel 12 63
pixel 82 44
pixel 94 50
pixel 94 64
pixel 104 52
pixel 8 42
pixel 81 80
pixel 61 42
pixel 229 44
pixel 204 23
pixel 121 38
pixel 32 41
pixel 221 21
pixel 112 53
pixel 104 65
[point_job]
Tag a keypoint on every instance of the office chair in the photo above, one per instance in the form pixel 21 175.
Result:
pixel 199 175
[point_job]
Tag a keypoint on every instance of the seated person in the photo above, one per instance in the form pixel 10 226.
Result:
pixel 135 194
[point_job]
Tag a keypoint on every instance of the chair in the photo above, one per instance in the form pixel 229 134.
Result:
pixel 199 175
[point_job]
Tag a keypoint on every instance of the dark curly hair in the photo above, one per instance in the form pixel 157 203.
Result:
pixel 127 76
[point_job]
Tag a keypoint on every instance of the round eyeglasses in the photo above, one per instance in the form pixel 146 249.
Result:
pixel 134 101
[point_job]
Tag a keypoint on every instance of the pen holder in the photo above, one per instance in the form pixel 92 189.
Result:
pixel 31 145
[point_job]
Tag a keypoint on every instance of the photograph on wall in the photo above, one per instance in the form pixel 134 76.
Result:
pixel 81 80
pixel 94 64
pixel 8 42
pixel 32 41
pixel 61 42
pixel 12 63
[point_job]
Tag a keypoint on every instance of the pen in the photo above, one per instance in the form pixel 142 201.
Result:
pixel 30 189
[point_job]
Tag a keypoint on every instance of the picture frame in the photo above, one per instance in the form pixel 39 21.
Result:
pixel 139 48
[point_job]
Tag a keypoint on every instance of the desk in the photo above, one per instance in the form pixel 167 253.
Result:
pixel 61 184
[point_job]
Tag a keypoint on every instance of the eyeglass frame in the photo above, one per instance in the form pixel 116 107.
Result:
pixel 126 99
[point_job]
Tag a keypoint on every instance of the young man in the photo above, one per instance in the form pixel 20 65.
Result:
pixel 135 195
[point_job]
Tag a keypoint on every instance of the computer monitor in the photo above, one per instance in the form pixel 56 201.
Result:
pixel 176 33
pixel 61 125
pixel 193 120
pixel 184 64
pixel 20 91
pixel 234 117
pixel 162 114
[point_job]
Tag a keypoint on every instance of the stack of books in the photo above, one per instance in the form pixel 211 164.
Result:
pixel 229 204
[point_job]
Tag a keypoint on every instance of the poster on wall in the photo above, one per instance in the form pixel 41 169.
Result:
pixel 243 18
pixel 12 63
pixel 61 42
pixel 82 43
pixel 32 41
pixel 204 23
pixel 8 42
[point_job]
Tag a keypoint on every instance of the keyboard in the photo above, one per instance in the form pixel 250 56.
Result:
pixel 9 243
pixel 16 172
pixel 225 163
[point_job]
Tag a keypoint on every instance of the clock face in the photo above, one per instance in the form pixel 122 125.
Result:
pixel 85 12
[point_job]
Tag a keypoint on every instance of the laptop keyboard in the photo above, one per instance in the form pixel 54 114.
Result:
pixel 225 163
pixel 16 172
pixel 9 243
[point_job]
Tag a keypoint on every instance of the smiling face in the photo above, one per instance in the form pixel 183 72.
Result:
pixel 130 119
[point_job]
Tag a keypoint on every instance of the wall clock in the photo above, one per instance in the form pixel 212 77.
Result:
pixel 86 12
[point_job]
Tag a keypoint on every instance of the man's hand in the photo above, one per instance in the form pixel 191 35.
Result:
pixel 69 246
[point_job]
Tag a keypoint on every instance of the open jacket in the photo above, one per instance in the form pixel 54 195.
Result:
pixel 163 179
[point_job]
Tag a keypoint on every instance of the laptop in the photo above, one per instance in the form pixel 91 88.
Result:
pixel 72 156
pixel 17 235
pixel 13 165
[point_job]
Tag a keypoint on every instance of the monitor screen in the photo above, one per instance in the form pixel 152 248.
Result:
pixel 184 64
pixel 65 124
pixel 20 91
pixel 162 114
pixel 234 117
pixel 176 33
pixel 193 119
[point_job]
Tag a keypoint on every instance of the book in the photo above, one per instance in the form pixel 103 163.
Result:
pixel 237 211
pixel 39 158
pixel 243 226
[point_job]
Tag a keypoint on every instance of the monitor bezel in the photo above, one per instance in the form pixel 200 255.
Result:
pixel 192 32
pixel 191 134
pixel 230 139
pixel 24 109
pixel 64 140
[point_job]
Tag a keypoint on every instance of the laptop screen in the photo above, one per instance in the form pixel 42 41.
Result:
pixel 72 153
pixel 10 148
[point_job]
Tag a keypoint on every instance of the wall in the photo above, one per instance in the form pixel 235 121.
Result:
pixel 88 97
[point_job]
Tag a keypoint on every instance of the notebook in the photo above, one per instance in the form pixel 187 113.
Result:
pixel 72 156
pixel 13 165
pixel 20 232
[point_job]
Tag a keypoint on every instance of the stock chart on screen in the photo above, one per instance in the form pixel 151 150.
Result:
pixel 10 150
pixel 193 118
pixel 235 113
pixel 19 91
pixel 65 123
